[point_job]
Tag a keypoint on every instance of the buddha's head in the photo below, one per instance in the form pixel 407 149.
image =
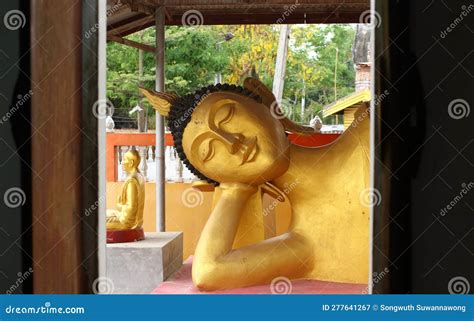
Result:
pixel 130 161
pixel 226 133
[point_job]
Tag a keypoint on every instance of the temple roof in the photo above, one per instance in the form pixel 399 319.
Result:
pixel 353 100
pixel 128 16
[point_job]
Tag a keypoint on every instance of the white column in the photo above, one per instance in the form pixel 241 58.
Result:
pixel 282 53
pixel 160 124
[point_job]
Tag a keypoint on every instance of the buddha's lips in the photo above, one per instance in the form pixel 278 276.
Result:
pixel 250 151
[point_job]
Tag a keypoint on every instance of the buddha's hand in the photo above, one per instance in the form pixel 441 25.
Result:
pixel 238 190
pixel 118 206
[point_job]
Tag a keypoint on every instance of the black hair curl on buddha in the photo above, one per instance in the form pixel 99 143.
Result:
pixel 180 115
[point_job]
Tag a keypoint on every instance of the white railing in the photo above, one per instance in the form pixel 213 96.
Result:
pixel 175 171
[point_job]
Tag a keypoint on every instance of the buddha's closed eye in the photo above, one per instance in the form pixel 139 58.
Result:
pixel 205 142
pixel 227 110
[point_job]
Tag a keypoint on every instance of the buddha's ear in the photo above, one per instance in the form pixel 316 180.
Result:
pixel 160 101
pixel 255 86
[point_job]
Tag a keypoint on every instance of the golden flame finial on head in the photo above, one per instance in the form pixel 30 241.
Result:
pixel 160 101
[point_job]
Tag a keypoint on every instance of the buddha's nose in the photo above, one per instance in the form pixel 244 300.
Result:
pixel 233 142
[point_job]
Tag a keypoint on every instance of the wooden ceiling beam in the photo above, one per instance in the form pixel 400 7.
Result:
pixel 135 23
pixel 229 12
pixel 131 43
pixel 127 29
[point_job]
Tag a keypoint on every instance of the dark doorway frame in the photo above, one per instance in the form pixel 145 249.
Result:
pixel 64 145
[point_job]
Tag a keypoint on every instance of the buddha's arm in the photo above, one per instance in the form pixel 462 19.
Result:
pixel 217 266
pixel 130 205
pixel 119 203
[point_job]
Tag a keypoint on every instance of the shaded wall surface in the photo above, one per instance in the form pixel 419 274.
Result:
pixel 423 229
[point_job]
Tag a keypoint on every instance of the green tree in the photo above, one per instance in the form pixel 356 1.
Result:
pixel 311 67
pixel 194 55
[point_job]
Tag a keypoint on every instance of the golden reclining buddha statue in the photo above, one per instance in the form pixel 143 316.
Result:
pixel 235 137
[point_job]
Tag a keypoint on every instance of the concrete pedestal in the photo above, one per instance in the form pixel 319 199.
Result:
pixel 138 267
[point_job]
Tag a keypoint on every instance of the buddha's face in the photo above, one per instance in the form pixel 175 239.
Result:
pixel 129 162
pixel 233 138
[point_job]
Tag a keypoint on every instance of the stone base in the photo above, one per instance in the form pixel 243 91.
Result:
pixel 137 267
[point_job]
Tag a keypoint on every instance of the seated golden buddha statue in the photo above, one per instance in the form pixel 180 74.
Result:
pixel 232 136
pixel 128 215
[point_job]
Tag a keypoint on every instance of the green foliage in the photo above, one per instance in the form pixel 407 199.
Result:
pixel 192 58
pixel 312 64
pixel 194 55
